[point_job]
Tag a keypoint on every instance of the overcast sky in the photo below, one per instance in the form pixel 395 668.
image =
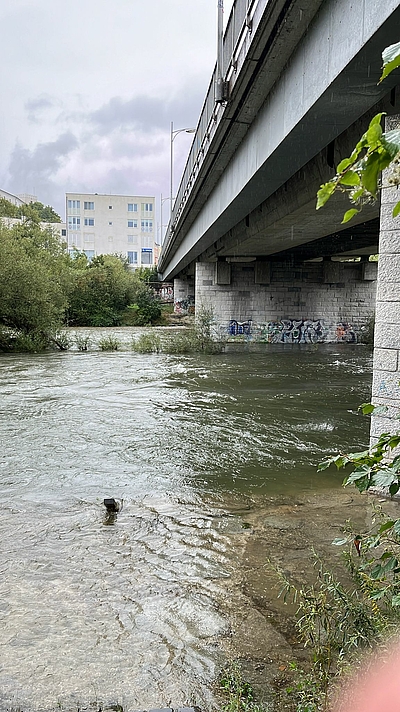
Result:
pixel 88 89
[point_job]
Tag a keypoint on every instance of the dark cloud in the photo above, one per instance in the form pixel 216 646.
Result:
pixel 33 171
pixel 148 113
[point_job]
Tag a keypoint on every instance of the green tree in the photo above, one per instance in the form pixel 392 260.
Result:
pixel 8 209
pixel 33 285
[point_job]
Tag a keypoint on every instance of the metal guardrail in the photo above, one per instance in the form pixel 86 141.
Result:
pixel 240 25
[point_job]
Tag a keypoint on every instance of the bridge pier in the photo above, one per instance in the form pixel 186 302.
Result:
pixel 183 295
pixel 283 302
pixel 386 378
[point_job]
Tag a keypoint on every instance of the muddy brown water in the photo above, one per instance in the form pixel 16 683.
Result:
pixel 215 460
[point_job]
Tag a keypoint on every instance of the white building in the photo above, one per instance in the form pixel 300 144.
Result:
pixel 112 224
pixel 18 200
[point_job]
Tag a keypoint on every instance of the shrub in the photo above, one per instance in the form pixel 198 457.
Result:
pixel 147 344
pixel 82 341
pixel 109 343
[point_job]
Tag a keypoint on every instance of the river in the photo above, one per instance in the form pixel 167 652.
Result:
pixel 215 460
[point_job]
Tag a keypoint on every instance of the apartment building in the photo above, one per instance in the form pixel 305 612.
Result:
pixel 113 224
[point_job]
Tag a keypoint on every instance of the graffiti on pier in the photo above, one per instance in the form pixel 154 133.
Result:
pixel 294 331
pixel 239 328
pixel 184 306
pixel 345 332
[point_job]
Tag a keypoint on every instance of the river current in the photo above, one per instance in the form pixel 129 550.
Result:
pixel 141 611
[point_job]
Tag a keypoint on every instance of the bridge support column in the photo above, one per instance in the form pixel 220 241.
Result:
pixel 281 302
pixel 184 295
pixel 385 388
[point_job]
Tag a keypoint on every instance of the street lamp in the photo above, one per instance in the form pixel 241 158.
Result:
pixel 173 136
pixel 162 201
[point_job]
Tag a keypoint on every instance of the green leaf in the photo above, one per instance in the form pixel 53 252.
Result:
pixel 366 408
pixel 350 178
pixel 380 409
pixel 386 525
pixel 370 173
pixel 391 60
pixel 349 214
pixel 345 163
pixel 383 478
pixel 374 133
pixel 394 488
pixel 325 193
pixel 325 464
pixel 396 600
pixel 396 210
pixel 376 119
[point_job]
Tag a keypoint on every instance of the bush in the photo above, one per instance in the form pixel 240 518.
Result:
pixel 109 343
pixel 147 344
pixel 82 341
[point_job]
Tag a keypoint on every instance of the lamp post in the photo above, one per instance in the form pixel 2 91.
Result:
pixel 162 201
pixel 173 136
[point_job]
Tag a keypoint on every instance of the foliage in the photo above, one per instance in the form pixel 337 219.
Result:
pixel 146 308
pixel 147 274
pixel 36 210
pixel 100 291
pixel 335 621
pixel 61 340
pixel 109 343
pixel 82 341
pixel 239 693
pixel 147 344
pixel 33 285
pixel 199 338
pixel 358 175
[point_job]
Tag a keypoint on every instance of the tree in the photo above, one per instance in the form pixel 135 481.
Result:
pixel 33 285
pixel 358 175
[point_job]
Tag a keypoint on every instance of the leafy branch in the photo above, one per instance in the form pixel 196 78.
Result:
pixel 358 175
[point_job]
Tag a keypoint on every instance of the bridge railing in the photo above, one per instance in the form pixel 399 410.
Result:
pixel 242 19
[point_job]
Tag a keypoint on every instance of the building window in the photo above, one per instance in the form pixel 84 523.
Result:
pixel 147 256
pixel 88 237
pixel 132 239
pixel 63 232
pixel 147 207
pixel 132 207
pixel 110 222
pixel 132 223
pixel 146 226
pixel 132 258
pixel 74 223
pixel 89 221
pixel 88 205
pixel 74 204
pixel 89 254
pixel 110 207
pixel 147 240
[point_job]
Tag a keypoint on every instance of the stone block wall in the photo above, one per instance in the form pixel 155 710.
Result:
pixel 314 302
pixel 386 380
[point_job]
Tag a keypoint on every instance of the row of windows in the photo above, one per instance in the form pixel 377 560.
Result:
pixel 74 223
pixel 146 240
pixel 89 205
pixel 146 256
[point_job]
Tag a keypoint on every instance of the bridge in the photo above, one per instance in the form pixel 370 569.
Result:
pixel 297 85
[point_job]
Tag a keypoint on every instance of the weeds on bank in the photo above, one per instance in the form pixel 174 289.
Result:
pixel 147 344
pixel 239 693
pixel 109 343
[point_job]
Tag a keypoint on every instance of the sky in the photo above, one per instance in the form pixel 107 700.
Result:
pixel 89 88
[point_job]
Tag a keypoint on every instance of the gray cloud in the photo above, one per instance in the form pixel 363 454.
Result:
pixel 40 104
pixel 148 113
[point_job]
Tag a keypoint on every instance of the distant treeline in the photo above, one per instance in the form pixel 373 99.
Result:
pixel 43 288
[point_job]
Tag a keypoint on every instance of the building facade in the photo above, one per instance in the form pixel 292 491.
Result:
pixel 113 224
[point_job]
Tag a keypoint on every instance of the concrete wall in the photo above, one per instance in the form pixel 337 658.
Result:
pixel 184 296
pixel 386 388
pixel 277 302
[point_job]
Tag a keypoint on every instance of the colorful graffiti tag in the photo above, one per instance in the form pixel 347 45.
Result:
pixel 345 332
pixel 294 331
pixel 239 328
